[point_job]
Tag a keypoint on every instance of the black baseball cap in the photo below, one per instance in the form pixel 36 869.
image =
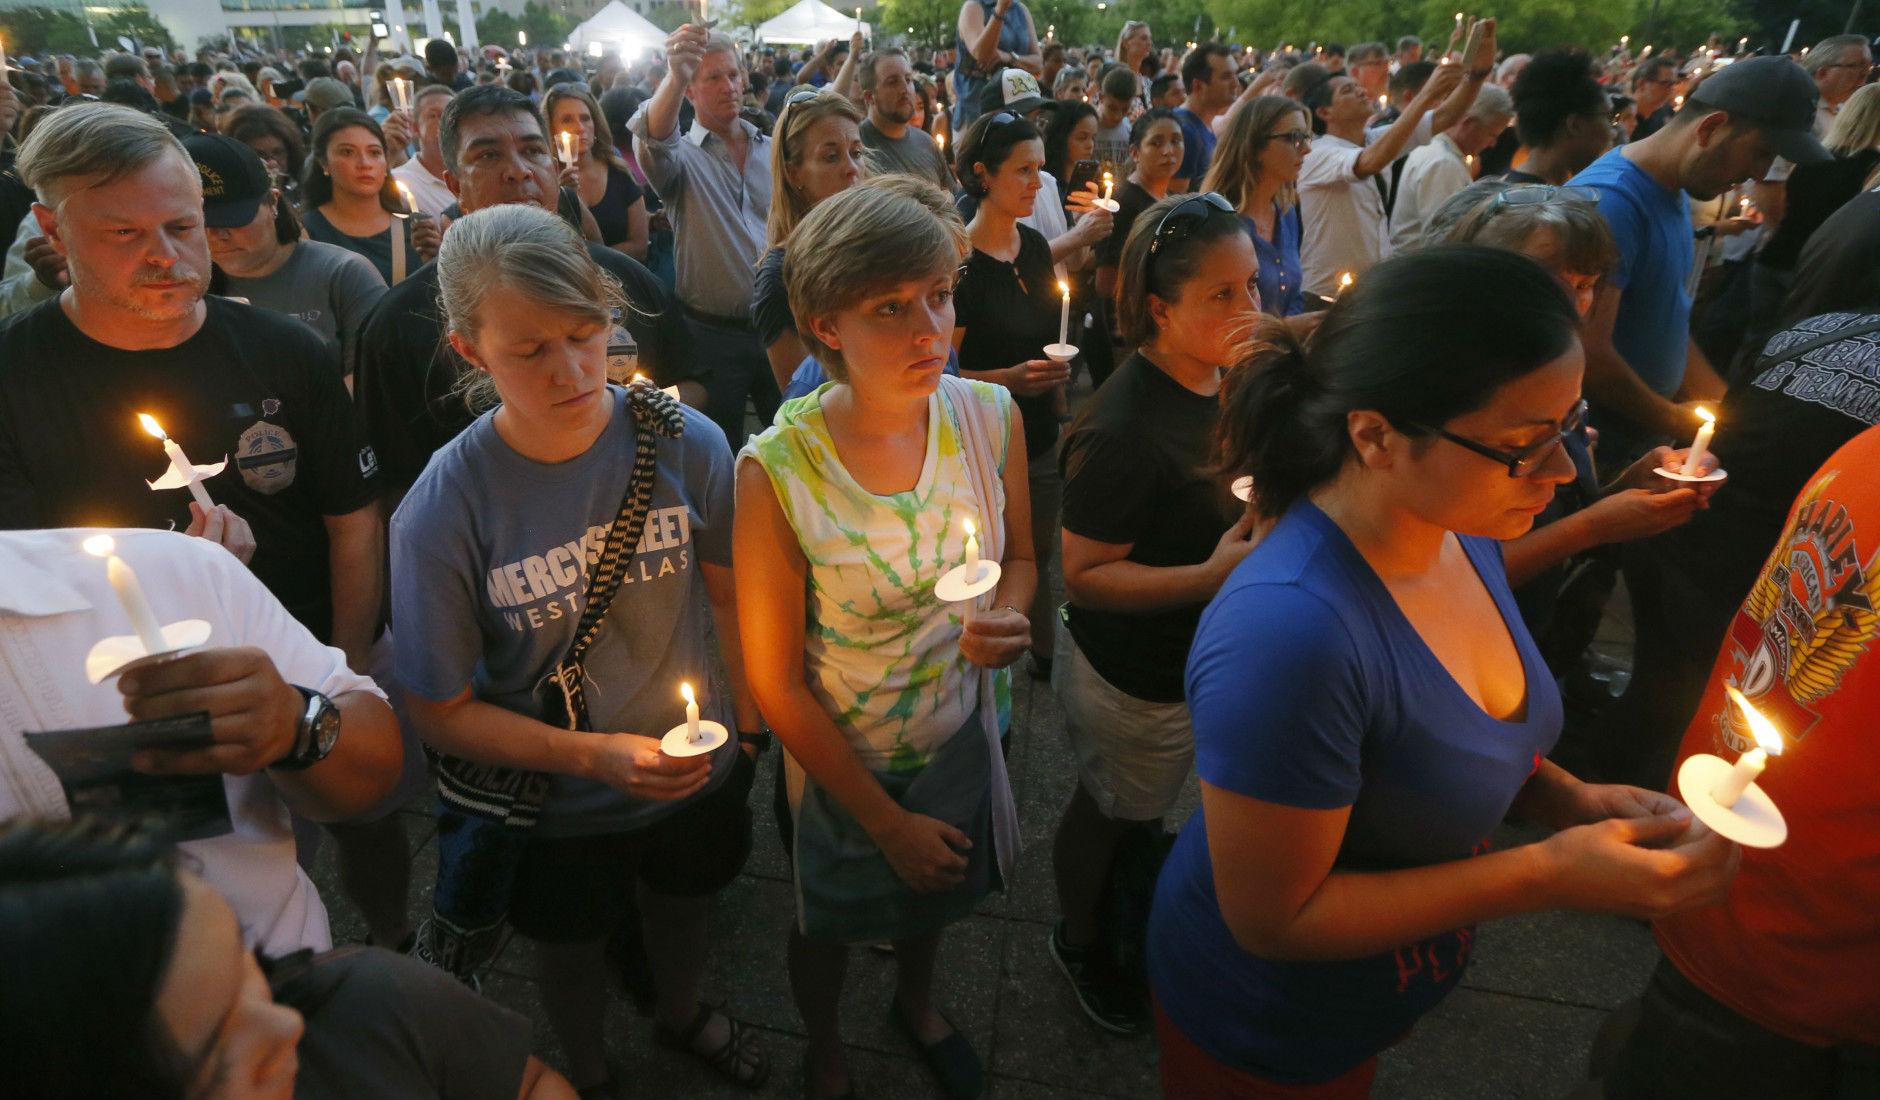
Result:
pixel 1773 94
pixel 234 181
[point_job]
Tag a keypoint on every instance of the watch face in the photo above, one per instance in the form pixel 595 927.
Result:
pixel 326 729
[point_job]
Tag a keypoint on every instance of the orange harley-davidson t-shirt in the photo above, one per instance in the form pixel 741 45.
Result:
pixel 1796 947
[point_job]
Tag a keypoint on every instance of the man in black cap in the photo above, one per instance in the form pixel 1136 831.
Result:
pixel 1642 368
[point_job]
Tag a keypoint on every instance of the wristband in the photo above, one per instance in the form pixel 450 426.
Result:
pixel 1479 74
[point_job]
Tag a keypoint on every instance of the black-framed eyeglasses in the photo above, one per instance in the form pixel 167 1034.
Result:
pixel 1526 461
pixel 1534 194
pixel 1298 139
pixel 1190 209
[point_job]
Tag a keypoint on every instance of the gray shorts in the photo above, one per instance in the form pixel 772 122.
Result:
pixel 1133 756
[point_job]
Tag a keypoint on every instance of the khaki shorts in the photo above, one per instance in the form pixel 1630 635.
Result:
pixel 1133 756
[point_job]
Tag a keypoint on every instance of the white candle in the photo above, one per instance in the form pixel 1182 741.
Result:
pixel 940 142
pixel 1646 52
pixel 1742 208
pixel 401 93
pixel 858 20
pixel 691 712
pixel 522 38
pixel 566 141
pixel 404 193
pixel 1344 284
pixel 129 593
pixel 972 551
pixel 1064 315
pixel 178 459
pixel 1109 185
pixel 1751 763
pixel 1700 447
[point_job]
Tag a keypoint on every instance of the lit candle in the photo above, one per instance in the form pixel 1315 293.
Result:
pixel 522 38
pixel 1383 103
pixel 1458 21
pixel 401 93
pixel 1623 39
pixel 129 592
pixel 1742 208
pixel 1700 447
pixel 691 712
pixel 178 459
pixel 940 142
pixel 858 20
pixel 1064 315
pixel 972 551
pixel 1109 185
pixel 1677 103
pixel 1751 763
pixel 1344 284
pixel 566 141
pixel 404 194
pixel 1646 52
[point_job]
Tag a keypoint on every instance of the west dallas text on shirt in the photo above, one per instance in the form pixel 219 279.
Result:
pixel 545 587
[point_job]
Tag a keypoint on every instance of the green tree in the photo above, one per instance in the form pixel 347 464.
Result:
pixel 924 22
pixel 38 30
pixel 136 23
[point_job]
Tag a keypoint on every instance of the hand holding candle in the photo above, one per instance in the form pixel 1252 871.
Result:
pixel 694 736
pixel 1725 797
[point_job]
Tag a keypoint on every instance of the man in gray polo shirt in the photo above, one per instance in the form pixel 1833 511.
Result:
pixel 893 144
pixel 715 182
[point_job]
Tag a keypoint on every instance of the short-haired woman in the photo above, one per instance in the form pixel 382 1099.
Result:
pixel 817 153
pixel 1367 703
pixel 1149 535
pixel 599 175
pixel 347 198
pixel 1008 308
pixel 1255 168
pixel 889 701
pixel 572 493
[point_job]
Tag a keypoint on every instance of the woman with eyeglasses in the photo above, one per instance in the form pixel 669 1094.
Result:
pixel 1256 167
pixel 599 175
pixel 1155 148
pixel 818 154
pixel 1006 309
pixel 1149 534
pixel 1367 704
pixel 889 704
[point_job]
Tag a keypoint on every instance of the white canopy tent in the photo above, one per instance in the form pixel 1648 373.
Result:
pixel 617 26
pixel 809 22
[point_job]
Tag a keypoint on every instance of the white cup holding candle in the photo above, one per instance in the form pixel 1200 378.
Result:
pixel 182 473
pixel 1687 470
pixel 971 579
pixel 695 736
pixel 1108 201
pixel 1725 796
pixel 111 654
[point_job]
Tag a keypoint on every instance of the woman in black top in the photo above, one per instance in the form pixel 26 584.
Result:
pixel 1155 148
pixel 1814 192
pixel 1006 309
pixel 1149 535
pixel 348 198
pixel 599 176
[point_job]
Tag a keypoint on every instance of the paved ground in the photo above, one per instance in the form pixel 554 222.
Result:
pixel 1520 1026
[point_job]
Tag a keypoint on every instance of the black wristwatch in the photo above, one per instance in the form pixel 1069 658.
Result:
pixel 316 734
pixel 762 739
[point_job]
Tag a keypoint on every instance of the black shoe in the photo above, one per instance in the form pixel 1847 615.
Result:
pixel 1108 1003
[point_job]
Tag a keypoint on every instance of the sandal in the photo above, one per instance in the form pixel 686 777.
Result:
pixel 952 1059
pixel 737 1059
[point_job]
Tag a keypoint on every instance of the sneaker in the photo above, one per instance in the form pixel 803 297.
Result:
pixel 1102 997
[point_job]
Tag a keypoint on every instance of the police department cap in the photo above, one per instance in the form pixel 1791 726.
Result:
pixel 1773 94
pixel 234 181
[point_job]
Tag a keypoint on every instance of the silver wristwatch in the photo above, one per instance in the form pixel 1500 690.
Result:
pixel 316 734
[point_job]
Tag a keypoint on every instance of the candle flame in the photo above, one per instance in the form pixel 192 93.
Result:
pixel 1705 415
pixel 1344 280
pixel 940 140
pixel 685 689
pixel 150 425
pixel 971 531
pixel 1064 287
pixel 1768 737
pixel 100 545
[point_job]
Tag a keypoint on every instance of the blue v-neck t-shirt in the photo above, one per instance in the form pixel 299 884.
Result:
pixel 1308 687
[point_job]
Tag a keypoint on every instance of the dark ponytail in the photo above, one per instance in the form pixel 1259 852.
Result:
pixel 1422 338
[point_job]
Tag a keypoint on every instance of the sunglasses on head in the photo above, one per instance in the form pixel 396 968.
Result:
pixel 801 95
pixel 1192 209
pixel 1534 194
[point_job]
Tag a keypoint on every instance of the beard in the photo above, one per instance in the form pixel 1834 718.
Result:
pixel 899 115
pixel 167 305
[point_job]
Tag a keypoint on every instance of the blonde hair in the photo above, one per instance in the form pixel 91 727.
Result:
pixel 876 235
pixel 787 204
pixel 98 143
pixel 1234 173
pixel 1856 128
pixel 526 249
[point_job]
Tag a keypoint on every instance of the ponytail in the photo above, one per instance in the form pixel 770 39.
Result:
pixel 1422 338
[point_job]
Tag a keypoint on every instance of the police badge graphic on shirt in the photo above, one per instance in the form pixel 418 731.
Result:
pixel 267 457
pixel 1810 617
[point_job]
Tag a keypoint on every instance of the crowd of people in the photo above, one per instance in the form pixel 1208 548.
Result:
pixel 1295 416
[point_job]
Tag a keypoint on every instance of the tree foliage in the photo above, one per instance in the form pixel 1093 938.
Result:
pixel 932 22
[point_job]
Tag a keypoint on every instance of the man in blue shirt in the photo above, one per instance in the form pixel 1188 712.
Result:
pixel 1640 359
pixel 1210 80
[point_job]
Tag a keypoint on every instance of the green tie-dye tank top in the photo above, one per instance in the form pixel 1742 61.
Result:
pixel 881 651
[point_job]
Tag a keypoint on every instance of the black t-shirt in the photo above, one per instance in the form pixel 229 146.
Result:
pixel 1499 157
pixel 1836 272
pixel 1814 192
pixel 1135 473
pixel 1010 312
pixel 1130 202
pixel 1774 432
pixel 1652 123
pixel 381 1024
pixel 770 303
pixel 16 199
pixel 252 385
pixel 404 368
pixel 610 214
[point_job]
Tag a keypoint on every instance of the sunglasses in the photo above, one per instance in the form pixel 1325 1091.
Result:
pixel 1535 194
pixel 801 95
pixel 1189 210
pixel 1526 461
